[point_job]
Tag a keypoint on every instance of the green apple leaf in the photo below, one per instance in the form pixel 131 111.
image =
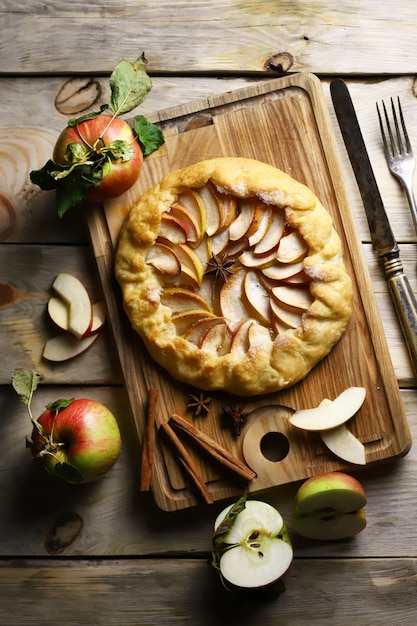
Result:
pixel 58 405
pixel 68 473
pixel 25 383
pixel 130 84
pixel 149 135
pixel 88 116
pixel 224 528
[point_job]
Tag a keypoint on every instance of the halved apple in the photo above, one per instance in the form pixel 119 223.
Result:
pixel 294 297
pixel 163 259
pixel 273 234
pixel 329 507
pixel 252 547
pixel 258 298
pixel 66 346
pixel 73 292
pixel 292 248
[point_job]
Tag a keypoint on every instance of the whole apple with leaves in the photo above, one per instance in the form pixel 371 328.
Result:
pixel 76 441
pixel 99 156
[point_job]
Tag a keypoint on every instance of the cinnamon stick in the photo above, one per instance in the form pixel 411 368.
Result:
pixel 213 448
pixel 148 443
pixel 187 462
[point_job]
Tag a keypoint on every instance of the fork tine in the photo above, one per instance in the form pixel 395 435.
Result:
pixel 407 141
pixel 394 147
pixel 381 125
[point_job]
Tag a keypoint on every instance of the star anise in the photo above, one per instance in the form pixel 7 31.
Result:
pixel 199 404
pixel 235 417
pixel 220 266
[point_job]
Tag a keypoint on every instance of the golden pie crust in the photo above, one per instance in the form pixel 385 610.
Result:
pixel 258 357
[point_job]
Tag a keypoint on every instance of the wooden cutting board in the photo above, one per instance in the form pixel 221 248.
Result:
pixel 283 122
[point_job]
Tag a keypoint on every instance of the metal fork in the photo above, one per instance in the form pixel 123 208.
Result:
pixel 398 152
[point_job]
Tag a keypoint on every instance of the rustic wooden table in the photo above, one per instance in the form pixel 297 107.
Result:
pixel 104 553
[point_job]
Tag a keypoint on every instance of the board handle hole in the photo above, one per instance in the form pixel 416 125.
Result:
pixel 274 446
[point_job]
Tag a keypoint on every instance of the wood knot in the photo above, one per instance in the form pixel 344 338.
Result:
pixel 280 63
pixel 8 217
pixel 77 95
pixel 8 295
pixel 65 530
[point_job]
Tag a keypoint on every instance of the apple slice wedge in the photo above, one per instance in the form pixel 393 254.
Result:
pixel 73 292
pixel 282 271
pixel 58 311
pixel 240 226
pixel 297 298
pixel 66 346
pixel 197 331
pixel 173 229
pixel 329 507
pixel 231 304
pixel 179 300
pixel 163 259
pixel 217 340
pixel 343 443
pixel 263 225
pixel 185 319
pixel 285 315
pixel 258 298
pixel 331 414
pixel 273 234
pixel 192 203
pixel 292 248
pixel 252 545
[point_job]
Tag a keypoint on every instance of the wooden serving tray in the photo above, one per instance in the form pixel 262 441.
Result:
pixel 283 122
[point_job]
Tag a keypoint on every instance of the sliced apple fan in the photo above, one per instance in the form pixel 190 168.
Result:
pixel 232 273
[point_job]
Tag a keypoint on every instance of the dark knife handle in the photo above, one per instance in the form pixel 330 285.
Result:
pixel 405 303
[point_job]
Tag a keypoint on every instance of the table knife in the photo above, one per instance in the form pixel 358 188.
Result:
pixel 383 240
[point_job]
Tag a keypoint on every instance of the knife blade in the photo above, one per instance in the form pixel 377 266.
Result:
pixel 383 240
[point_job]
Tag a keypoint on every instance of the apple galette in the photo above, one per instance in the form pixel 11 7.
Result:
pixel 232 274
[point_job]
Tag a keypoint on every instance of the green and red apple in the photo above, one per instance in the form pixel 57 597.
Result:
pixel 329 506
pixel 252 549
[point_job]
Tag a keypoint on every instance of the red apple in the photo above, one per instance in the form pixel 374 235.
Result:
pixel 93 135
pixel 77 441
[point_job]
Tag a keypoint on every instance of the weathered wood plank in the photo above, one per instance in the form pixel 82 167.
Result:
pixel 164 592
pixel 39 518
pixel 228 36
pixel 25 325
pixel 38 109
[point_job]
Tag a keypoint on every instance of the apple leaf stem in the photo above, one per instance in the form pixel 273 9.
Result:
pixel 226 525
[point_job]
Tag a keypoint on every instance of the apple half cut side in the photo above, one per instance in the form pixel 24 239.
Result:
pixel 252 545
pixel 329 507
pixel 73 292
